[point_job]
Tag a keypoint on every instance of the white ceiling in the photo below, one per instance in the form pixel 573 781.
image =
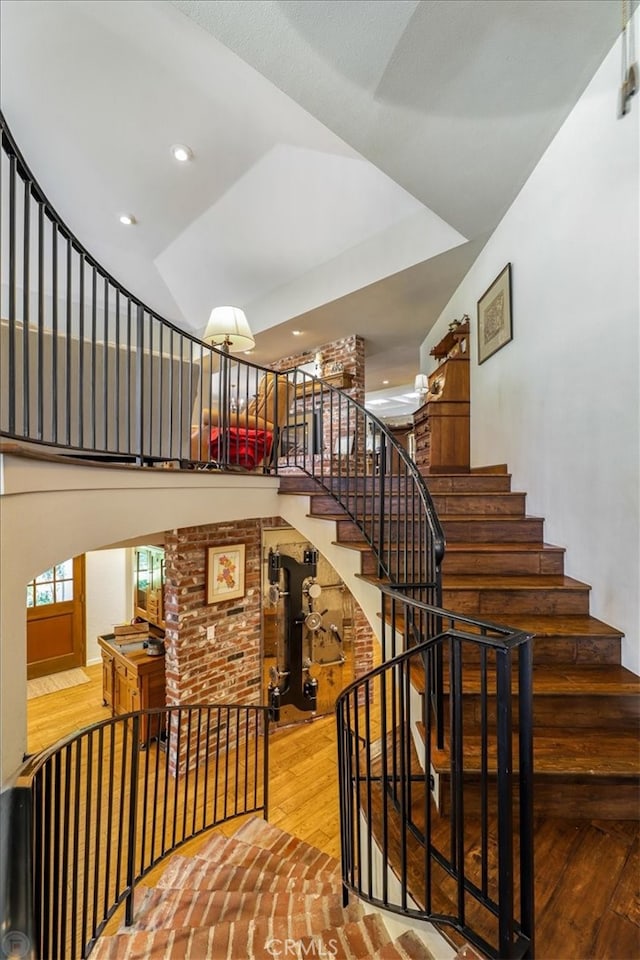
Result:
pixel 350 156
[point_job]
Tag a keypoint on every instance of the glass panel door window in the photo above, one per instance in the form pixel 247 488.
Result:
pixel 53 586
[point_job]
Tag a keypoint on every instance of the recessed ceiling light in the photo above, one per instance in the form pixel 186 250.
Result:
pixel 181 152
pixel 297 333
pixel 128 219
pixel 385 382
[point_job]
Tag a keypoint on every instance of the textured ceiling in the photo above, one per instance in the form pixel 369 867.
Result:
pixel 350 157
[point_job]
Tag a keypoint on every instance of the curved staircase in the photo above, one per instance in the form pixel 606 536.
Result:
pixel 498 567
pixel 256 895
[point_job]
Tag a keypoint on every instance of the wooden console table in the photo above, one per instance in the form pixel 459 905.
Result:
pixel 132 680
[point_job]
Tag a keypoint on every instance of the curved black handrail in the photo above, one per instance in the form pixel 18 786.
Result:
pixel 100 808
pixel 88 368
pixel 394 781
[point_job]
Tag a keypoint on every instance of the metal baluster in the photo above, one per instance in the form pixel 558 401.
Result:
pixel 384 785
pixel 12 379
pixel 105 366
pixel 525 727
pixel 133 815
pixel 40 387
pixel 116 404
pixel 88 821
pixel 197 765
pixel 68 340
pixel 140 386
pixel 505 801
pixel 94 336
pixel 26 290
pixel 81 308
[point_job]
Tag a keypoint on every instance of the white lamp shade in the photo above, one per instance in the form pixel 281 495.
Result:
pixel 228 326
pixel 421 384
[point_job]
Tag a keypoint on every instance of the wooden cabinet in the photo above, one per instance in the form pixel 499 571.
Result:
pixel 148 587
pixel 132 680
pixel 442 425
pixel 107 678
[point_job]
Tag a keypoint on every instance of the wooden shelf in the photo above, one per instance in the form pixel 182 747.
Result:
pixel 342 380
pixel 449 341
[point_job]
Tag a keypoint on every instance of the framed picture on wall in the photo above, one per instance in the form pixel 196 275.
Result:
pixel 301 435
pixel 224 573
pixel 495 322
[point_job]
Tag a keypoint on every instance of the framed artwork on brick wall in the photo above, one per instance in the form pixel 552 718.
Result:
pixel 495 324
pixel 224 573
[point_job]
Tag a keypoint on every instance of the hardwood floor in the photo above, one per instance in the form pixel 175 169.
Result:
pixel 587 871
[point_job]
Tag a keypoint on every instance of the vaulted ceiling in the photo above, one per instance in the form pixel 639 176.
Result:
pixel 350 156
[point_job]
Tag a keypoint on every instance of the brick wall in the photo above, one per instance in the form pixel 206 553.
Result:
pixel 228 667
pixel 339 418
pixel 348 351
pixel 225 669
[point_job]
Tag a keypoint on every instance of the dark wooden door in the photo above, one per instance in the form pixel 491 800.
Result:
pixel 55 619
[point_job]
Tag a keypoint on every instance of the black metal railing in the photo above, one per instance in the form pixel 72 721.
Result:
pixel 442 835
pixel 89 817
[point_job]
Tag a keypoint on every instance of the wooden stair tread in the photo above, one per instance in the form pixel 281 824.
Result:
pixel 481 517
pixel 361 545
pixel 565 625
pixel 517 547
pixel 562 625
pixel 330 516
pixel 519 582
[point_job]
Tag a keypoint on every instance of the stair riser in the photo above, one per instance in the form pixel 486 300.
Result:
pixel 518 563
pixel 605 798
pixel 616 712
pixel 348 532
pixel 564 650
pixel 459 483
pixel 411 564
pixel 524 530
pixel 492 604
pixel 469 483
pixel 506 504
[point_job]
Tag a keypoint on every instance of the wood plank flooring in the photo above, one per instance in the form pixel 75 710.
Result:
pixel 587 871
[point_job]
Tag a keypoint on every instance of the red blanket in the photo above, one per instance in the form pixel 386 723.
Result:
pixel 246 448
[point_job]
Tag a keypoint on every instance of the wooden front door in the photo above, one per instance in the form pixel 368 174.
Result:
pixel 55 619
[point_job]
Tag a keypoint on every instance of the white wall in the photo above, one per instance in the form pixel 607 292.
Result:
pixel 51 511
pixel 108 595
pixel 560 403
